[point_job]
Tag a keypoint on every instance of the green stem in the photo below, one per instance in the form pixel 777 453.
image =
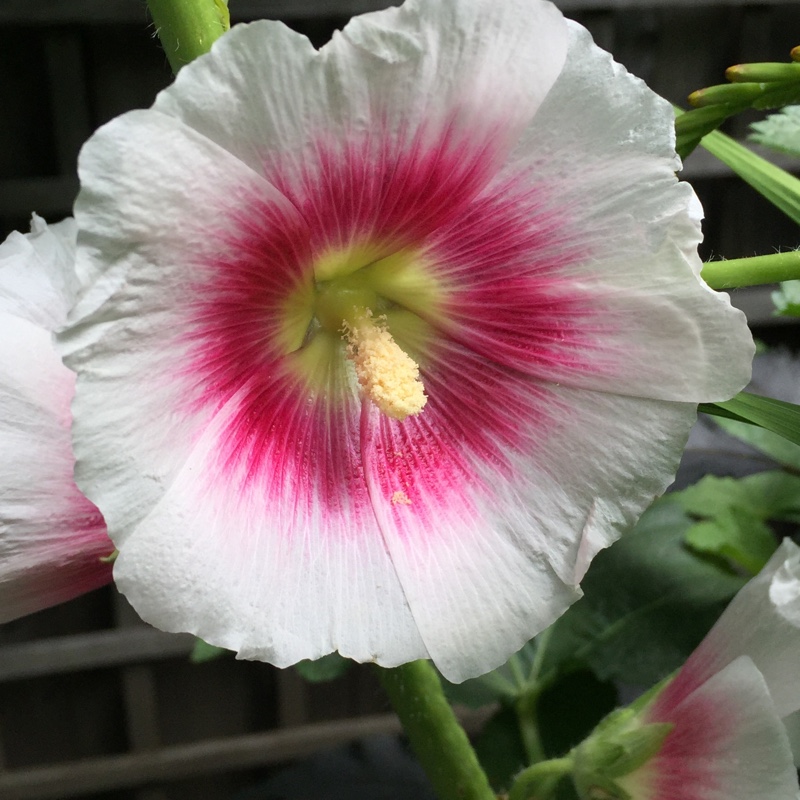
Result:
pixel 188 28
pixel 539 781
pixel 529 726
pixel 435 734
pixel 737 272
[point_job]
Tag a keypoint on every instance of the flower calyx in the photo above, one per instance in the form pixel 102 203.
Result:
pixel 619 745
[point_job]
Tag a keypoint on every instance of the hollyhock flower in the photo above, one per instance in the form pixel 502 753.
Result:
pixel 51 537
pixel 727 702
pixel 383 342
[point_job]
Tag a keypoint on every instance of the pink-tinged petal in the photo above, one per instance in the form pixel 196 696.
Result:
pixel 276 564
pixel 762 622
pixel 158 229
pixel 37 273
pixel 728 743
pixel 601 239
pixel 51 537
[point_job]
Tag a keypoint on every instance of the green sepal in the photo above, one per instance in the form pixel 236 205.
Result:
pixel 604 790
pixel 644 700
pixel 540 781
pixel 619 745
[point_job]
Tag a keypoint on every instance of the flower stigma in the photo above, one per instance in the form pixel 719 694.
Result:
pixel 369 318
pixel 388 376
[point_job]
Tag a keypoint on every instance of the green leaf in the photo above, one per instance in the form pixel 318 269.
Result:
pixel 203 651
pixel 327 668
pixel 737 535
pixel 787 299
pixel 779 131
pixel 774 415
pixel 778 186
pixel 648 601
pixel 771 444
pixel 765 495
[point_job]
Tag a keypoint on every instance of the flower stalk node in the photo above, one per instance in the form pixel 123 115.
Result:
pixel 620 745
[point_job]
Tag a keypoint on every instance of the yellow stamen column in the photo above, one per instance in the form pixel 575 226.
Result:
pixel 388 376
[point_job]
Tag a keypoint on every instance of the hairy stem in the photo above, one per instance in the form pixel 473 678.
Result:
pixel 435 734
pixel 753 271
pixel 188 28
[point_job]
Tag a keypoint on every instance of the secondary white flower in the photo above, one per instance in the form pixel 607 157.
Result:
pixel 51 537
pixel 383 342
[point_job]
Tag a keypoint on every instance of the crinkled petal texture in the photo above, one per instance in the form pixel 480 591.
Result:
pixel 763 623
pixel 51 536
pixel 728 743
pixel 507 193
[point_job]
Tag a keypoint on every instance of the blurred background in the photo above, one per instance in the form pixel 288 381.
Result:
pixel 93 703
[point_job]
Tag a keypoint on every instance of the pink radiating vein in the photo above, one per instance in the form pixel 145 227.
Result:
pixel 499 251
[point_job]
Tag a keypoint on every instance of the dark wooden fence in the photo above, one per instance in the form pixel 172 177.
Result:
pixel 92 701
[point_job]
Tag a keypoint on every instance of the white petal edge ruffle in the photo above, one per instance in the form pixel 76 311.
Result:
pixel 51 536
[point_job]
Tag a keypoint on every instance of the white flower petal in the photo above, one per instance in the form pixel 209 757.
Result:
pixel 252 501
pixel 615 254
pixel 37 273
pixel 762 622
pixel 490 519
pixel 416 76
pixel 263 572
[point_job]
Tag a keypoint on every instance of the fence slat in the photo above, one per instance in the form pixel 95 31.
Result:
pixel 57 12
pixel 186 761
pixel 90 651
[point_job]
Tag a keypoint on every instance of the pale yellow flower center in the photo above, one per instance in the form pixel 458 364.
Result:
pixel 388 376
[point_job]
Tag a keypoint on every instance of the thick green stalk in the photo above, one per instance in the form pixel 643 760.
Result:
pixel 435 734
pixel 736 272
pixel 188 28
